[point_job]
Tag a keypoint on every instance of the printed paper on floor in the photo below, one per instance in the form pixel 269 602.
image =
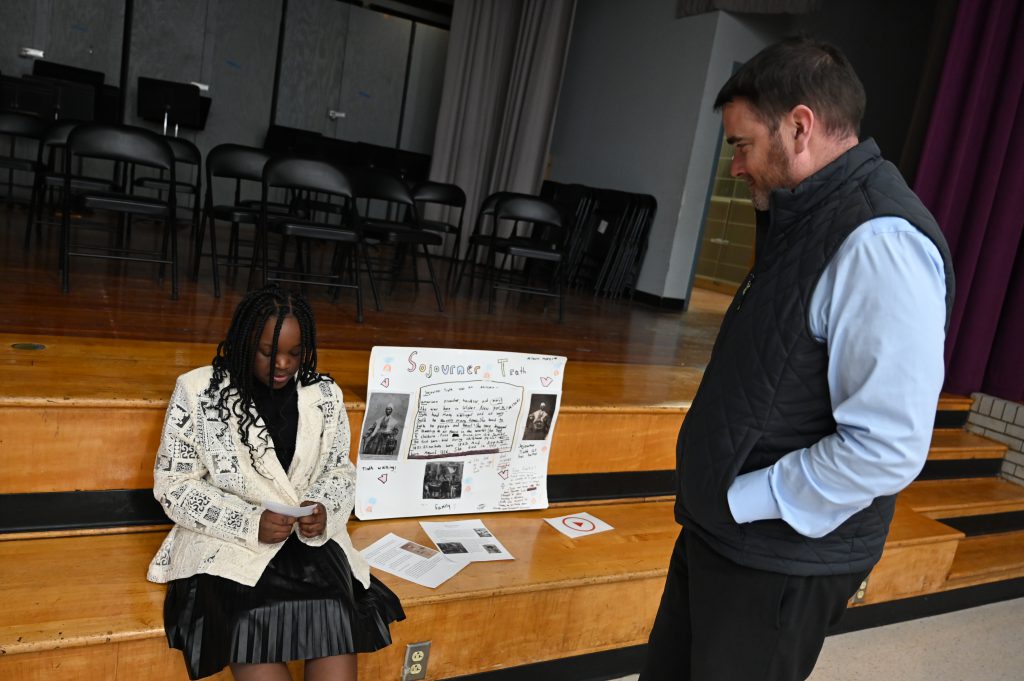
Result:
pixel 466 540
pixel 411 561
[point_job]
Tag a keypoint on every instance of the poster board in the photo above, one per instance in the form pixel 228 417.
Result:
pixel 456 431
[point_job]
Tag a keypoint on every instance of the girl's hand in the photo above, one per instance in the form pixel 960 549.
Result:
pixel 274 527
pixel 313 525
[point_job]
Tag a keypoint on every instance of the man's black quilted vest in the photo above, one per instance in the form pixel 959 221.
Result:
pixel 765 391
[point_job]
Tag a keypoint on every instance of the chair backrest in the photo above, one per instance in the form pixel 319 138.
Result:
pixel 490 204
pixel 537 212
pixel 22 125
pixel 124 143
pixel 184 151
pixel 307 174
pixel 369 183
pixel 236 161
pixel 56 135
pixel 529 209
pixel 439 192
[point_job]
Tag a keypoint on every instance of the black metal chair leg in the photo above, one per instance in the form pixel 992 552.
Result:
pixel 369 273
pixel 359 289
pixel 433 279
pixel 172 227
pixel 214 257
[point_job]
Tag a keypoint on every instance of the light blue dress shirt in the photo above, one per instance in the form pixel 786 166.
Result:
pixel 880 307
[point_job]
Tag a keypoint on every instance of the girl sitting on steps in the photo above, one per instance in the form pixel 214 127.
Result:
pixel 248 587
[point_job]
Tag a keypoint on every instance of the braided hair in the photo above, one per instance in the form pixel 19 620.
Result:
pixel 236 355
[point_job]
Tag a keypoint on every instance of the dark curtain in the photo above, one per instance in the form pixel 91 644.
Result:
pixel 501 83
pixel 971 176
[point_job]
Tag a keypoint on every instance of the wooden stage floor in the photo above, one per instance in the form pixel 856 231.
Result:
pixel 125 301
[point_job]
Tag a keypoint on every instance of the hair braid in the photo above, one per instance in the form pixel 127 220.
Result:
pixel 233 378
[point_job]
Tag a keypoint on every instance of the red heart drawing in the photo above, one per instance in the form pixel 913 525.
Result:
pixel 545 381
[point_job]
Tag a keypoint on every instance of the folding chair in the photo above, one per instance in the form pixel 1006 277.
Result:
pixel 545 244
pixel 404 234
pixel 340 227
pixel 130 145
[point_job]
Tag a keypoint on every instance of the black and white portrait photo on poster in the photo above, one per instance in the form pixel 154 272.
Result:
pixel 443 480
pixel 447 547
pixel 538 419
pixel 382 427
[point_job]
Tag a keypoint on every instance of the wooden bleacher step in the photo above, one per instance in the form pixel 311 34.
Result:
pixel 958 498
pixel 954 444
pixel 956 453
pixel 952 410
pixel 987 558
pixel 552 601
pixel 951 402
pixel 917 558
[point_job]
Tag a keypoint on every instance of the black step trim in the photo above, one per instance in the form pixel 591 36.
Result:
pixel 49 511
pixel 624 485
pixel 993 523
pixel 951 419
pixel 949 469
pixel 607 664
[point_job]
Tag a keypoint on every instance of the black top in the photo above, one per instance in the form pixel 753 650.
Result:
pixel 280 412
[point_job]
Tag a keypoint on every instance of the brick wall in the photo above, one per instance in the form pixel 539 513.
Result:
pixel 1003 421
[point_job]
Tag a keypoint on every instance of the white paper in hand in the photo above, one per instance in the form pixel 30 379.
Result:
pixel 285 509
pixel 578 525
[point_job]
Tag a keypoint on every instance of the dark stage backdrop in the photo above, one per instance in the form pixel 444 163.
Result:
pixel 971 176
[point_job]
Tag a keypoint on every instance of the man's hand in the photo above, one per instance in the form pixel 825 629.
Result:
pixel 274 527
pixel 313 525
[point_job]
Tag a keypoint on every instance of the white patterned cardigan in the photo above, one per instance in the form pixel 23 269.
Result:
pixel 212 485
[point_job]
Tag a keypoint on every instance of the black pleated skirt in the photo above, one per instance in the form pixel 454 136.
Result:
pixel 306 605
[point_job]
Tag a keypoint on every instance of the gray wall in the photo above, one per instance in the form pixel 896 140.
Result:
pixel 336 56
pixel 353 60
pixel 312 63
pixel 635 115
pixel 423 99
pixel 231 45
pixel 636 106
pixel 85 33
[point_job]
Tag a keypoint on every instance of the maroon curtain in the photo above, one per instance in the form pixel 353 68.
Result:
pixel 971 176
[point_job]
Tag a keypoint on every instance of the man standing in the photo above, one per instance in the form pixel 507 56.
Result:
pixel 817 405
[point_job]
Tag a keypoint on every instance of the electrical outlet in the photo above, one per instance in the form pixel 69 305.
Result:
pixel 416 656
pixel 862 591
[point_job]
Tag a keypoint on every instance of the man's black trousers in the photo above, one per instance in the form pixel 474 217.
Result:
pixel 719 621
